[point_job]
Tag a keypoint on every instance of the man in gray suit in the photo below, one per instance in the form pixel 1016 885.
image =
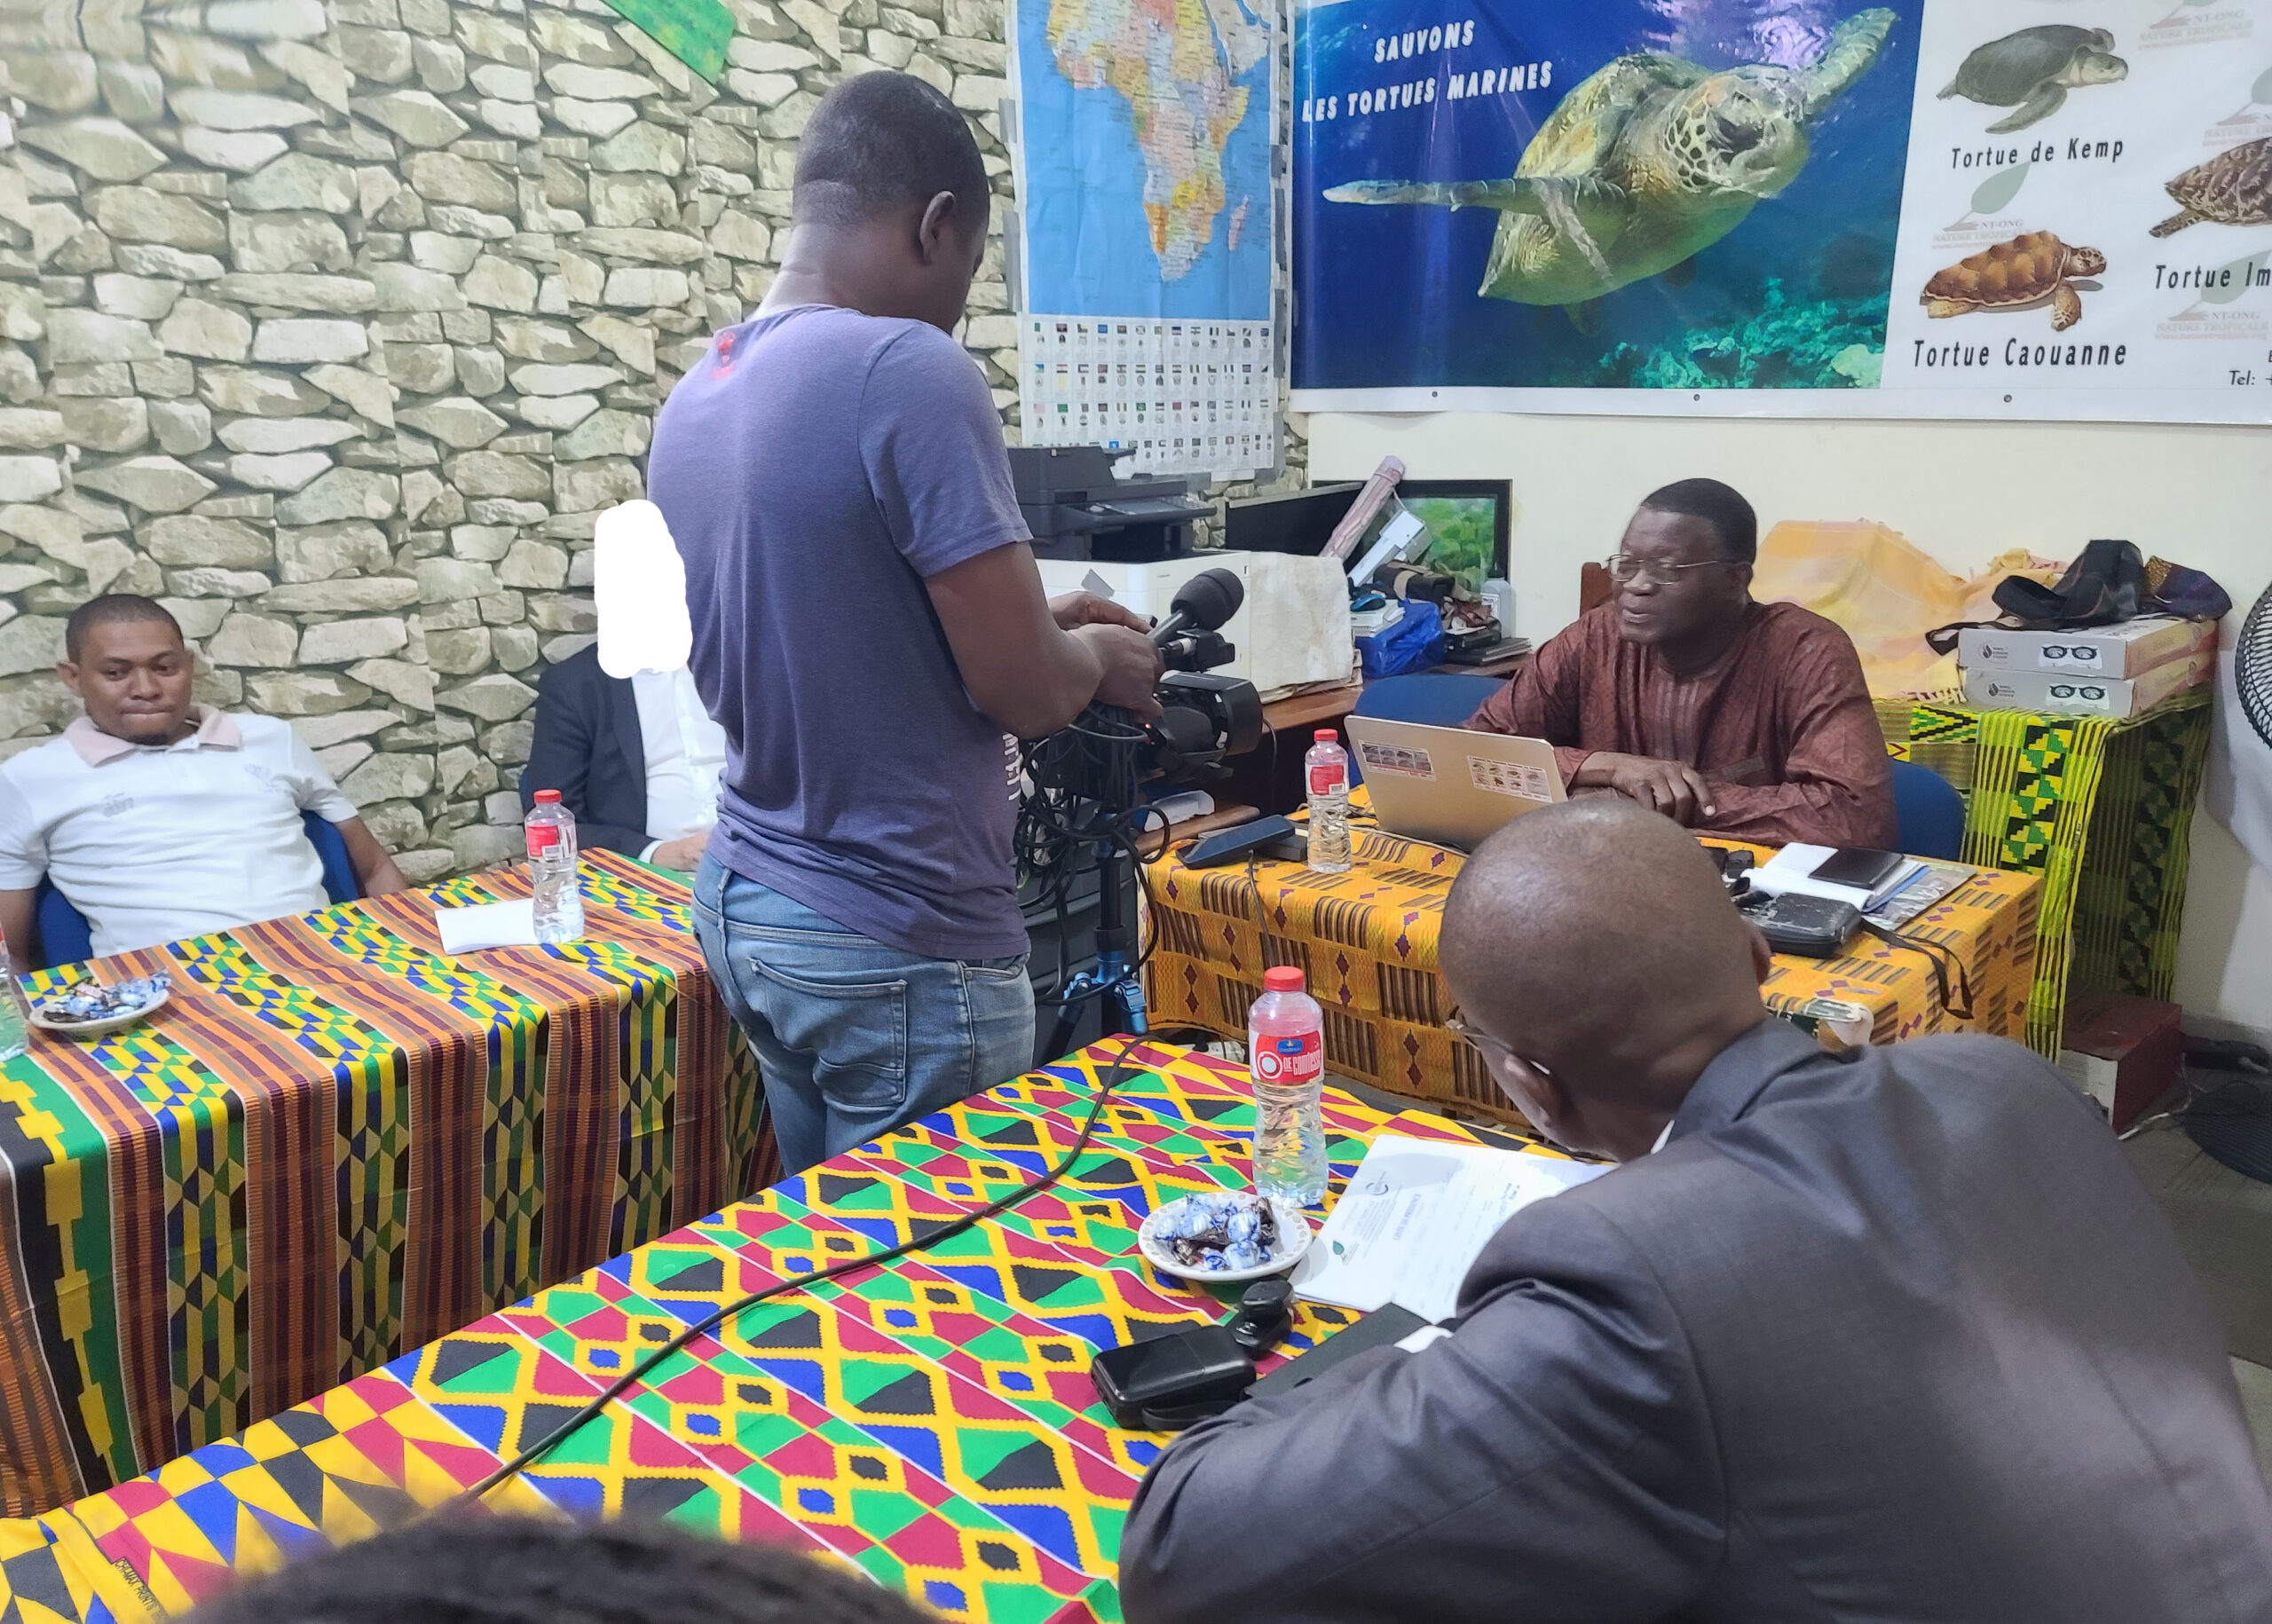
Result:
pixel 1894 1336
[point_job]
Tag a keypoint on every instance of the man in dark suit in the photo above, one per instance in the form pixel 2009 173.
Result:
pixel 636 758
pixel 1896 1334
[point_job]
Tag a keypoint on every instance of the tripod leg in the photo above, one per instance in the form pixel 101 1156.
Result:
pixel 1131 994
pixel 1069 1020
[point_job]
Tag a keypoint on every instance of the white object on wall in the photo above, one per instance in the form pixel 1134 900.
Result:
pixel 639 592
pixel 2237 791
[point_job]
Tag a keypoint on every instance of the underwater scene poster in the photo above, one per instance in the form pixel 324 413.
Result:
pixel 2045 208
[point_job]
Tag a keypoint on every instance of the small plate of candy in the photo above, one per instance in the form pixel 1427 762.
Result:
pixel 1227 1235
pixel 89 1009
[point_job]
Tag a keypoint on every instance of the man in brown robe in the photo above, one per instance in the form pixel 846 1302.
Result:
pixel 1742 718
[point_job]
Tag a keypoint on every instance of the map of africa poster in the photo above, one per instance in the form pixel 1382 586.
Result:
pixel 1145 194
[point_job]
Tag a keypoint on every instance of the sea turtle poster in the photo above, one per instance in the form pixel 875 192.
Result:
pixel 2027 208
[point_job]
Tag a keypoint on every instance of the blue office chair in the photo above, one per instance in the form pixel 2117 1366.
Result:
pixel 64 937
pixel 1929 811
pixel 1434 698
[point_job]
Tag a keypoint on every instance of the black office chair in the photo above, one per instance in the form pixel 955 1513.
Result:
pixel 64 937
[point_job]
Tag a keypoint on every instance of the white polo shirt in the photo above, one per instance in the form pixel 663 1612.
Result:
pixel 157 842
pixel 685 752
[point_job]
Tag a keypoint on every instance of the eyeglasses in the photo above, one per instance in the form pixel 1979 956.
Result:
pixel 1625 569
pixel 1485 1045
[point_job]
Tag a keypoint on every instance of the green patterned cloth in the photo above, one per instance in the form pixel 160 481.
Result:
pixel 2101 810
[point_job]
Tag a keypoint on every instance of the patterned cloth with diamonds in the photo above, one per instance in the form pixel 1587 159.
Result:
pixel 333 1144
pixel 930 1424
pixel 1366 941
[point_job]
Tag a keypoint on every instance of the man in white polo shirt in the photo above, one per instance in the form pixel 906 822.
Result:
pixel 159 818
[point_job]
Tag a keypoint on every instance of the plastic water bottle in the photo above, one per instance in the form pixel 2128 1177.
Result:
pixel 15 1010
pixel 559 900
pixel 1285 1046
pixel 1327 767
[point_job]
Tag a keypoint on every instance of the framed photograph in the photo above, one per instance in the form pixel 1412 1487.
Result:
pixel 1469 519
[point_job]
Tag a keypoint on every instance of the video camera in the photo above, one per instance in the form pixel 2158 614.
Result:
pixel 1204 717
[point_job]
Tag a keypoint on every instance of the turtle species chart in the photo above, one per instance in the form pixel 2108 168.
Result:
pixel 1926 208
pixel 2087 214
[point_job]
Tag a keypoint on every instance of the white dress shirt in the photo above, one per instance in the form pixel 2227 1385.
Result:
pixel 685 752
pixel 153 843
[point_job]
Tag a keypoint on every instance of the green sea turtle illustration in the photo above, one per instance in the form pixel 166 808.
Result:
pixel 2033 69
pixel 1647 162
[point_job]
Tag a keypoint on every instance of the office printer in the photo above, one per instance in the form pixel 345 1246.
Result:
pixel 1077 509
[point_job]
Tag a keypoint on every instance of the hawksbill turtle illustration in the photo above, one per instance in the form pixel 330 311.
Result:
pixel 1650 161
pixel 2233 188
pixel 2033 69
pixel 2025 273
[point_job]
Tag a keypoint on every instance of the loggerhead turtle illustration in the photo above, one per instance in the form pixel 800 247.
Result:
pixel 2233 188
pixel 2026 273
pixel 1648 161
pixel 2033 69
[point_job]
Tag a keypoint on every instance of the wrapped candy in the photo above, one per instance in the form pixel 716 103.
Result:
pixel 84 1003
pixel 1231 1230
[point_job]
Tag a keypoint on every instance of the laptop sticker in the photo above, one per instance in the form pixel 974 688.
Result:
pixel 1509 779
pixel 1398 761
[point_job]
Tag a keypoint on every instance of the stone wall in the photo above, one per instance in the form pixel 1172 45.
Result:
pixel 333 324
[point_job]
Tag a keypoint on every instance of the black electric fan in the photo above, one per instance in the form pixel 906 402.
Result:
pixel 2232 1120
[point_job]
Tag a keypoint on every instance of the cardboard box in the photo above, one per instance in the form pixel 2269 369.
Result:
pixel 2053 694
pixel 2128 648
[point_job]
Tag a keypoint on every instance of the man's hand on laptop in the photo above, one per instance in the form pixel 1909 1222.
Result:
pixel 1673 788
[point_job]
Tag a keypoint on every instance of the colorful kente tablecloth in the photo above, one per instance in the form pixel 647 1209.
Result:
pixel 2100 810
pixel 1366 940
pixel 931 1423
pixel 335 1144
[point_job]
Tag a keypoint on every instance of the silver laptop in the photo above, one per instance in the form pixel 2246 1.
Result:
pixel 1448 786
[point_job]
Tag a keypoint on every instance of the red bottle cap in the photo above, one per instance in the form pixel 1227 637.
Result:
pixel 1285 977
pixel 547 798
pixel 1326 735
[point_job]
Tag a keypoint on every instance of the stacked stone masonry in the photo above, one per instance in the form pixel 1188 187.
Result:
pixel 334 325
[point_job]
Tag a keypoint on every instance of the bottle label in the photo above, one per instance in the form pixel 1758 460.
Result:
pixel 1327 777
pixel 1290 1061
pixel 542 839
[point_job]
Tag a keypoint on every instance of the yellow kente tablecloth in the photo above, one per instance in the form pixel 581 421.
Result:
pixel 1367 942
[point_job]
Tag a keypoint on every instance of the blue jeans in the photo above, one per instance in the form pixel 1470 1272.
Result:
pixel 855 1038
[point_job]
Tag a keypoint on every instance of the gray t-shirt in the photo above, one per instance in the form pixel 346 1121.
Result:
pixel 815 466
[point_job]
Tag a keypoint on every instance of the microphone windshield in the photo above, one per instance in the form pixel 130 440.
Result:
pixel 1208 599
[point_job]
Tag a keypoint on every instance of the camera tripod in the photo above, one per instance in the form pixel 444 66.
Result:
pixel 1115 980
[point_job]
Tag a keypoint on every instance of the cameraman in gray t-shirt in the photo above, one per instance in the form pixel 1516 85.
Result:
pixel 868 624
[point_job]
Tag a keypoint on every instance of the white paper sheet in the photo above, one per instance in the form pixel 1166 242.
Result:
pixel 1413 1218
pixel 486 925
